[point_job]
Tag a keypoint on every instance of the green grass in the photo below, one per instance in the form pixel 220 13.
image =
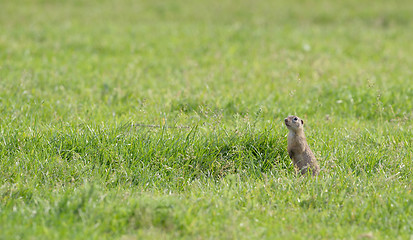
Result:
pixel 79 78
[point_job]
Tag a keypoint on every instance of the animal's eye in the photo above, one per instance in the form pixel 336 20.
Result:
pixel 295 119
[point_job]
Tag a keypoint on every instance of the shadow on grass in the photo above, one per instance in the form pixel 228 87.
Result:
pixel 128 154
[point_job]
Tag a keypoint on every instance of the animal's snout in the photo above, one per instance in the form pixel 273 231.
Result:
pixel 286 120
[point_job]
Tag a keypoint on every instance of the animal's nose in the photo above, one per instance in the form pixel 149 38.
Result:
pixel 285 120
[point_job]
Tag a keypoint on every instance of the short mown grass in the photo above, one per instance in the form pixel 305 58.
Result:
pixel 139 119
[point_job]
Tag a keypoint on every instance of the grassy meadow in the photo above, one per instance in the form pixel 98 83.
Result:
pixel 164 119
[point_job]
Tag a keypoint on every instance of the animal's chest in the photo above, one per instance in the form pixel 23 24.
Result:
pixel 290 140
pixel 296 145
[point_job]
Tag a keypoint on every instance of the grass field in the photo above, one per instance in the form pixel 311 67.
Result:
pixel 81 80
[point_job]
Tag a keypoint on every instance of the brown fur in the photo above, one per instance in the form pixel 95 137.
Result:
pixel 298 149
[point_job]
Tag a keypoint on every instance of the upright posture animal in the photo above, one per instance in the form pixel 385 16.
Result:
pixel 298 149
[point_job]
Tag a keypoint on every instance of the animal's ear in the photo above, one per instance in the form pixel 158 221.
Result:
pixel 302 122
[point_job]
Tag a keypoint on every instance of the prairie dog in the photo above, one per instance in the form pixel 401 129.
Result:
pixel 298 149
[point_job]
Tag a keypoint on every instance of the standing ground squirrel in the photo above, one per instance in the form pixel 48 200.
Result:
pixel 298 149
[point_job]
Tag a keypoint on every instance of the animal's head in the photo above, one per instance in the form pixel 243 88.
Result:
pixel 294 123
